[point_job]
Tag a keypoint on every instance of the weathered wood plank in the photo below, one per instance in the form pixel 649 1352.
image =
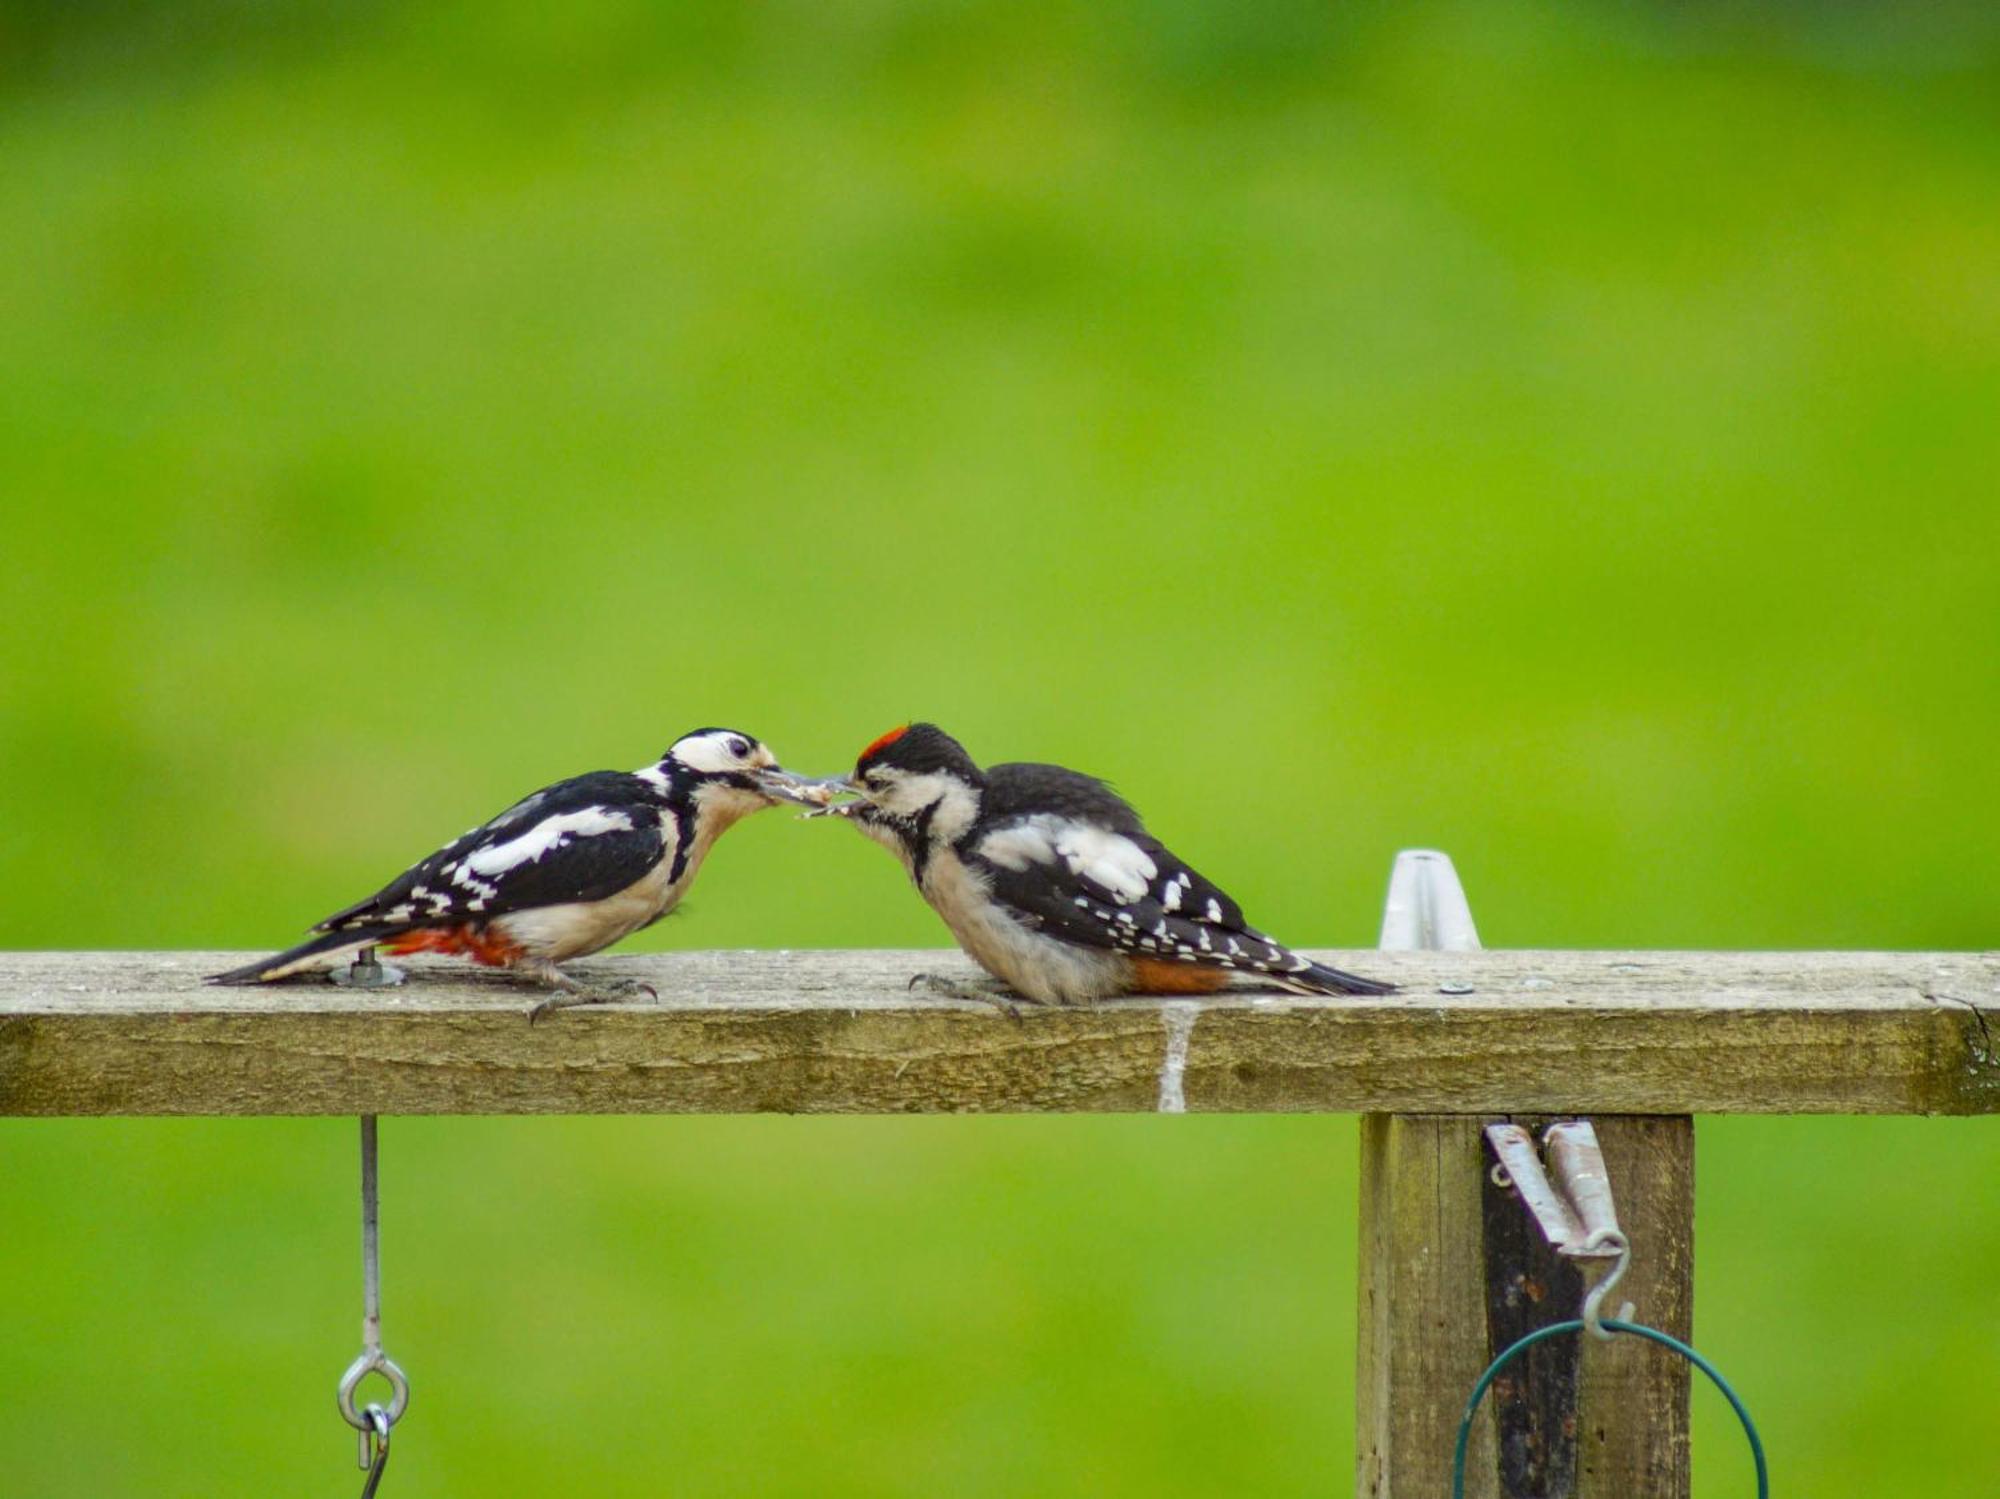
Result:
pixel 1534 1401
pixel 1422 1313
pixel 1579 1418
pixel 1632 1419
pixel 1421 1339
pixel 1475 1033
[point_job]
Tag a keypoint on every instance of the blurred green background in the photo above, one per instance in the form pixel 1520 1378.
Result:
pixel 1561 434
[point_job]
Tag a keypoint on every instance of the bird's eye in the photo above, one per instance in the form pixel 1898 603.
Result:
pixel 740 748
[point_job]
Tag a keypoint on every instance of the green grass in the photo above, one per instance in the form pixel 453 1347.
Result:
pixel 1557 433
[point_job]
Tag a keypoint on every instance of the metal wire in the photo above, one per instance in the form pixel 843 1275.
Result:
pixel 371 1239
pixel 1615 1325
pixel 372 1359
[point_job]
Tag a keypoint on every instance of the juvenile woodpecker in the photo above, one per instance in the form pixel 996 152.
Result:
pixel 1052 884
pixel 562 873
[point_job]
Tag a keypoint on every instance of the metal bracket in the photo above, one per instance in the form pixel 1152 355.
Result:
pixel 1426 910
pixel 1575 1211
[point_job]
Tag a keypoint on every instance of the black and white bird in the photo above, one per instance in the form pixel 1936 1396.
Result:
pixel 1052 884
pixel 562 873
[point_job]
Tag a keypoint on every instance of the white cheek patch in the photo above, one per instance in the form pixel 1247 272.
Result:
pixel 548 834
pixel 957 803
pixel 905 795
pixel 708 753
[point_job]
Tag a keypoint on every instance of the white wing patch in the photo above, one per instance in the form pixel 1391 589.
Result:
pixel 548 834
pixel 1019 846
pixel 1108 860
pixel 481 890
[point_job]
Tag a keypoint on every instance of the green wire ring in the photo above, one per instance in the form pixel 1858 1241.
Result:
pixel 1612 1325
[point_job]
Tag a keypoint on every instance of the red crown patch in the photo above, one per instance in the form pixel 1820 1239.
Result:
pixel 883 743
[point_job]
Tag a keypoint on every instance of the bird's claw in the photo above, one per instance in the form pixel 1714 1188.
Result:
pixel 607 995
pixel 951 988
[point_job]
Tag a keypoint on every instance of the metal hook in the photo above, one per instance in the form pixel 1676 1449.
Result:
pixel 1575 1211
pixel 375 1449
pixel 1593 1304
pixel 374 1422
pixel 372 1361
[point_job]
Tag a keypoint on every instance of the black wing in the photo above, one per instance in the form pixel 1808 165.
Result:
pixel 578 840
pixel 1024 789
pixel 1070 857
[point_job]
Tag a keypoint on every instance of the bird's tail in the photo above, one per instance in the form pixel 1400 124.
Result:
pixel 1317 978
pixel 323 951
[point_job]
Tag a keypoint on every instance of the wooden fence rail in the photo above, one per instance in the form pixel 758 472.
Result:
pixel 1449 1271
pixel 1492 1032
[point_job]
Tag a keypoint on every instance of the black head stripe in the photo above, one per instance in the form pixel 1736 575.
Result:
pixel 920 840
pixel 680 805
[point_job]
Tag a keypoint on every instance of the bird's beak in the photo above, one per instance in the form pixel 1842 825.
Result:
pixel 807 791
pixel 833 786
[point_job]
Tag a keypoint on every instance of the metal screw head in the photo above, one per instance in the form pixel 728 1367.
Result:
pixel 366 973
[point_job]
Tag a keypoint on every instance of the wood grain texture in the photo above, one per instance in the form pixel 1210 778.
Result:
pixel 1579 1418
pixel 1632 1415
pixel 1534 1399
pixel 1428 1328
pixel 808 1032
pixel 1421 1342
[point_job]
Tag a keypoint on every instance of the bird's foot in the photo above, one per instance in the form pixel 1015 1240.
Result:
pixel 574 995
pixel 982 991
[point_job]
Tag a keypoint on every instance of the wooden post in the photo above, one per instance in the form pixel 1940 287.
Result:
pixel 1632 1407
pixel 1452 1270
pixel 1421 1339
pixel 1580 1417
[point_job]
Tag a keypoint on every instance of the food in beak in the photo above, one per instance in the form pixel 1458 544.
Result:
pixel 838 809
pixel 807 791
pixel 830 787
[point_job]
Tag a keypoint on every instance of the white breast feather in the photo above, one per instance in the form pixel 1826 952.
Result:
pixel 1042 967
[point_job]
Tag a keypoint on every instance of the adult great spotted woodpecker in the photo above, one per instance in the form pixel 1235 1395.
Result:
pixel 562 873
pixel 1052 884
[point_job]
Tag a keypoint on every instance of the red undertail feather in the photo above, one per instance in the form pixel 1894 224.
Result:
pixel 1163 976
pixel 481 945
